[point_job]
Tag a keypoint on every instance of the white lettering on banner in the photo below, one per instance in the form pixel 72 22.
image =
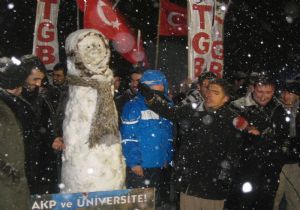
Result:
pixel 149 115
pixel 86 202
pixel 115 198
pixel 45 43
pixel 44 204
pixel 206 20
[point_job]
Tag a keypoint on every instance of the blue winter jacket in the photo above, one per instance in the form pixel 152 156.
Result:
pixel 147 138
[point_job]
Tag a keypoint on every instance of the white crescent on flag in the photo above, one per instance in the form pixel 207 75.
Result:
pixel 114 24
pixel 100 15
pixel 171 16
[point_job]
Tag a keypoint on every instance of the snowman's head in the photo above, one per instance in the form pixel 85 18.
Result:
pixel 88 53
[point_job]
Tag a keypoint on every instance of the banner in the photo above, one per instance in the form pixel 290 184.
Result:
pixel 99 15
pixel 206 20
pixel 45 43
pixel 173 19
pixel 106 200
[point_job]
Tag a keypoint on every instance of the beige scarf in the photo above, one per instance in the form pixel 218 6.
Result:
pixel 104 128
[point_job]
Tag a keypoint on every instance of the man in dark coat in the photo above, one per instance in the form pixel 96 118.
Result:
pixel 290 174
pixel 40 137
pixel 56 98
pixel 60 85
pixel 130 93
pixel 209 148
pixel 196 95
pixel 262 159
pixel 14 193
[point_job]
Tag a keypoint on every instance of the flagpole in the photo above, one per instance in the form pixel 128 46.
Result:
pixel 157 37
pixel 78 18
pixel 117 2
pixel 191 70
pixel 138 40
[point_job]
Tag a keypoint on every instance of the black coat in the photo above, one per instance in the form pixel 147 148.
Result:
pixel 42 161
pixel 208 148
pixel 262 157
pixel 209 151
pixel 50 162
pixel 57 96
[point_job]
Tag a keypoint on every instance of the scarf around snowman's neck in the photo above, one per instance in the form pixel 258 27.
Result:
pixel 104 128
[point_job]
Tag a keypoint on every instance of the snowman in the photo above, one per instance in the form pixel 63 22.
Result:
pixel 92 160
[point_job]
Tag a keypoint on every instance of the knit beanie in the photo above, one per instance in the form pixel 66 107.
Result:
pixel 30 62
pixel 293 87
pixel 12 76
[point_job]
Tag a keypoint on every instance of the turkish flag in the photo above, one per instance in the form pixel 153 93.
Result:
pixel 99 15
pixel 173 19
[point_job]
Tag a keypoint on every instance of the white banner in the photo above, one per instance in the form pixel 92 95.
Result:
pixel 206 20
pixel 45 42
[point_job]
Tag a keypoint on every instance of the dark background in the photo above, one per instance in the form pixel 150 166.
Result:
pixel 258 35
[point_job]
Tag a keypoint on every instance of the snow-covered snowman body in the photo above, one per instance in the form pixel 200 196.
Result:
pixel 92 160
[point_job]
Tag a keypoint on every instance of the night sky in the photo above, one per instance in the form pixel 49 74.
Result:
pixel 262 36
pixel 258 35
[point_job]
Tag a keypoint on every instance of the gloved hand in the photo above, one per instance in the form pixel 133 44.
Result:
pixel 146 91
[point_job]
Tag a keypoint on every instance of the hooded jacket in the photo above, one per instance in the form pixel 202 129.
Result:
pixel 146 137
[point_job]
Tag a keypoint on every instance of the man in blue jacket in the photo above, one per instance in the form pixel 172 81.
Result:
pixel 146 136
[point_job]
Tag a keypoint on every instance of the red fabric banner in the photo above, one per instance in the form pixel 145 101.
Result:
pixel 45 42
pixel 99 15
pixel 206 20
pixel 173 19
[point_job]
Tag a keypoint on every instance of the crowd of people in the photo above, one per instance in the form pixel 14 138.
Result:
pixel 31 135
pixel 210 147
pixel 235 146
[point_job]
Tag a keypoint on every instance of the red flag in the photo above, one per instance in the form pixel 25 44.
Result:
pixel 173 19
pixel 99 15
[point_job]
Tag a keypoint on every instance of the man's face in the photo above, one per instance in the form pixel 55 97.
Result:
pixel 117 81
pixel 34 80
pixel 58 77
pixel 262 94
pixel 203 87
pixel 289 98
pixel 134 81
pixel 215 97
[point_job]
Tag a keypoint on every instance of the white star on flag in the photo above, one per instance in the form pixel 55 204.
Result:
pixel 115 24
